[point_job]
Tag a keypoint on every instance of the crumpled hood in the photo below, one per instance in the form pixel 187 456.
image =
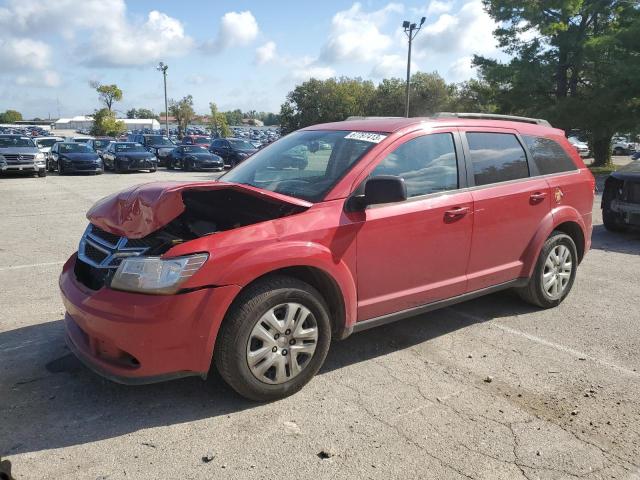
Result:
pixel 138 211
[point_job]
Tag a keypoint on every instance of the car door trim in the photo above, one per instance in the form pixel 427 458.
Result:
pixel 411 312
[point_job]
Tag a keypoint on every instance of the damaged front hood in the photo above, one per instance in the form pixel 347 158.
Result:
pixel 138 211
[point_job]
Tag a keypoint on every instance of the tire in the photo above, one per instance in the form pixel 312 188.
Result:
pixel 170 164
pixel 610 219
pixel 186 166
pixel 237 338
pixel 116 167
pixel 61 170
pixel 42 173
pixel 153 170
pixel 49 165
pixel 535 292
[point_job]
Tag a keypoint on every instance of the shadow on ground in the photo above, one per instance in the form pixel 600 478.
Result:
pixel 619 242
pixel 48 399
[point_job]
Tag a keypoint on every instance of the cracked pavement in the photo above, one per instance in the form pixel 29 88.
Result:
pixel 488 389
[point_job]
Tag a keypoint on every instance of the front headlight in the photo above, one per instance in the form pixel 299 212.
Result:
pixel 39 157
pixel 156 275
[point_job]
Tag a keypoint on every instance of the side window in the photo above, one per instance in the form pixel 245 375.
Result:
pixel 428 164
pixel 497 157
pixel 548 156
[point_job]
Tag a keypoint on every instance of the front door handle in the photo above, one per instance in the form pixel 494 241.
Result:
pixel 455 214
pixel 537 197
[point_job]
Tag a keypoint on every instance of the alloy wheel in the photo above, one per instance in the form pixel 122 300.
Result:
pixel 557 271
pixel 282 343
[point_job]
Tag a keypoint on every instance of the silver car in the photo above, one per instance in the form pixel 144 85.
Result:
pixel 19 154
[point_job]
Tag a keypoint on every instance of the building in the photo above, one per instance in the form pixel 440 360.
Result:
pixel 82 122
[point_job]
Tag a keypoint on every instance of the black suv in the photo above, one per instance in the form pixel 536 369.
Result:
pixel 232 150
pixel 159 145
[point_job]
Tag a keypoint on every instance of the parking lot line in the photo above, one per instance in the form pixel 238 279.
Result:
pixel 33 265
pixel 547 343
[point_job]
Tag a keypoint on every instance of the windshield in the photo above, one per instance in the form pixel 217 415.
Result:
pixel 74 148
pixel 195 150
pixel 101 143
pixel 129 147
pixel 202 140
pixel 305 164
pixel 9 142
pixel 81 140
pixel 241 145
pixel 157 140
pixel 46 142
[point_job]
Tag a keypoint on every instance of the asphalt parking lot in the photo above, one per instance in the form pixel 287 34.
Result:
pixel 492 388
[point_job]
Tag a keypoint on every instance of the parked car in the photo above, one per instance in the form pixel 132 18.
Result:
pixel 260 270
pixel 581 147
pixel 81 139
pixel 621 198
pixel 129 156
pixel 621 146
pixel 159 145
pixel 18 154
pixel 44 144
pixel 73 157
pixel 100 144
pixel 232 150
pixel 193 157
pixel 196 140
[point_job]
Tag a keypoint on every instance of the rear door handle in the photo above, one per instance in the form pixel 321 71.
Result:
pixel 537 197
pixel 456 214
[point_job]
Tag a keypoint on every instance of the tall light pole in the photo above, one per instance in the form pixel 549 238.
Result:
pixel 411 29
pixel 163 68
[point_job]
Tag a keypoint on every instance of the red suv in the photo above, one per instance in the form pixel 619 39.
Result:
pixel 388 218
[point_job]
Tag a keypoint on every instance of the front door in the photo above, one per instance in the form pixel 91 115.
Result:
pixel 415 252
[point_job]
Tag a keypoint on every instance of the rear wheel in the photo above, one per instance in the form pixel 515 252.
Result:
pixel 554 273
pixel 274 339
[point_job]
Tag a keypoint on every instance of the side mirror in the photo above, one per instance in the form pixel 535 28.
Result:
pixel 379 190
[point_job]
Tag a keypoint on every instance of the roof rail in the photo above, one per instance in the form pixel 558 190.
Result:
pixel 358 117
pixel 493 116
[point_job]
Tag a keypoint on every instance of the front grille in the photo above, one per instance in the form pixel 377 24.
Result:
pixel 100 253
pixel 18 158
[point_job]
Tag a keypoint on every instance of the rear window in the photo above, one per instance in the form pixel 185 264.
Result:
pixel 548 155
pixel 496 157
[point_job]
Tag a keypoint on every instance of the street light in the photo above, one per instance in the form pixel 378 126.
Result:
pixel 163 68
pixel 411 29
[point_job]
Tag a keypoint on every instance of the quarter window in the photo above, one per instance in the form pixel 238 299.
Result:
pixel 428 164
pixel 548 155
pixel 496 157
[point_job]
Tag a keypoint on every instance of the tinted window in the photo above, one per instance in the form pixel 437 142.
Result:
pixel 548 155
pixel 496 157
pixel 241 145
pixel 74 148
pixel 427 164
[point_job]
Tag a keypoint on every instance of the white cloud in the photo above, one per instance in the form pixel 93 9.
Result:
pixel 355 35
pixel 468 31
pixel 23 53
pixel 392 66
pixel 437 7
pixel 236 29
pixel 311 71
pixel 46 78
pixel 461 69
pixel 265 53
pixel 122 44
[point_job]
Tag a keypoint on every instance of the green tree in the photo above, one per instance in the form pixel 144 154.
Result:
pixel 580 70
pixel 107 93
pixel 141 113
pixel 10 116
pixel 473 96
pixel 218 122
pixel 234 117
pixel 183 112
pixel 318 101
pixel 105 124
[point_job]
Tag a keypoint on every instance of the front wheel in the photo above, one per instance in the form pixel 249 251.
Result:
pixel 42 173
pixel 274 339
pixel 554 273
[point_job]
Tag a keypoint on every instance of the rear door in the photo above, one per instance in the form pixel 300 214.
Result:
pixel 510 203
pixel 415 252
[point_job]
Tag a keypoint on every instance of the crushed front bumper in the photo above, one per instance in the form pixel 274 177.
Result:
pixel 134 338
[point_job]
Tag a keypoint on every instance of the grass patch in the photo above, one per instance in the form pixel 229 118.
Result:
pixel 606 170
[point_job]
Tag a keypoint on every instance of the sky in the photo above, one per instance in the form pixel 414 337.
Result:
pixel 238 54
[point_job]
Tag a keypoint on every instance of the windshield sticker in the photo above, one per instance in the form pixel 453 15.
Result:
pixel 366 137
